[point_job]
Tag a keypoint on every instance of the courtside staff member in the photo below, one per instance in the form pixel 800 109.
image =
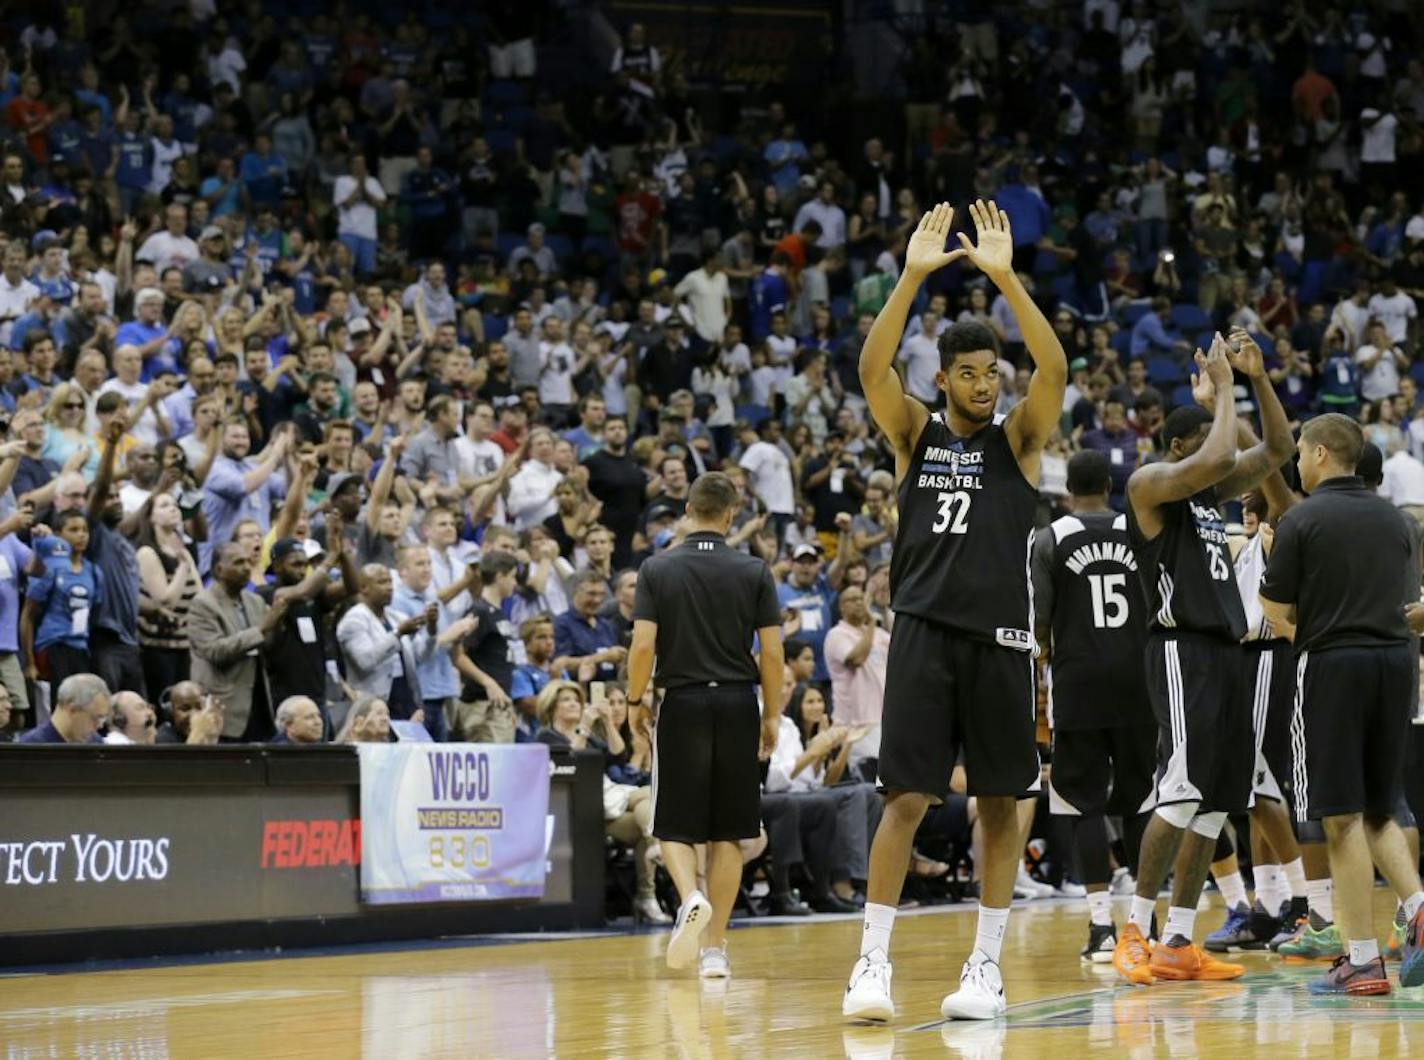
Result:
pixel 696 608
pixel 1338 573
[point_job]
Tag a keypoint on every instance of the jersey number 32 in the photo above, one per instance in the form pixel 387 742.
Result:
pixel 953 515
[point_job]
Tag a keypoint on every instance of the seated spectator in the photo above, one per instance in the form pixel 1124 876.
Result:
pixel 568 723
pixel 299 721
pixel 582 635
pixel 81 707
pixel 369 721
pixel 194 716
pixel 131 720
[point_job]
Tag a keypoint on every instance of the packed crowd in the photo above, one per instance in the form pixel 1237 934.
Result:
pixel 348 371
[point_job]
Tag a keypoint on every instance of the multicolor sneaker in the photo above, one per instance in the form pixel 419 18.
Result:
pixel 1131 957
pixel 1315 944
pixel 1235 934
pixel 1394 947
pixel 1264 925
pixel 1411 967
pixel 1295 920
pixel 1102 941
pixel 1180 961
pixel 1368 980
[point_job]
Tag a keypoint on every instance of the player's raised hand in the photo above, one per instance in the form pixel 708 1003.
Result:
pixel 1244 355
pixel 1203 389
pixel 994 255
pixel 1218 368
pixel 925 252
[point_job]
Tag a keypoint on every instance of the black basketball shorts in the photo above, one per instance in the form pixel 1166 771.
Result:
pixel 1103 771
pixel 1270 684
pixel 946 692
pixel 1206 748
pixel 1350 729
pixel 706 777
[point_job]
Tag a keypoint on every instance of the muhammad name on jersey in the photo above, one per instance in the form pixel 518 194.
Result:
pixel 1101 552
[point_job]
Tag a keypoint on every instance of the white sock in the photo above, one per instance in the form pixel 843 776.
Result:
pixel 1412 904
pixel 1362 951
pixel 1180 921
pixel 1271 887
pixel 989 936
pixel 1233 889
pixel 879 921
pixel 1141 913
pixel 1100 908
pixel 1295 877
pixel 1321 898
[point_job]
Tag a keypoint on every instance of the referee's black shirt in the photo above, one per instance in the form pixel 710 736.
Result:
pixel 708 601
pixel 1342 557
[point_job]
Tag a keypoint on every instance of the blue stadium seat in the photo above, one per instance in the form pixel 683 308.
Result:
pixel 600 245
pixel 1133 312
pixel 502 141
pixel 1267 344
pixel 1044 264
pixel 495 326
pixel 1180 396
pixel 561 245
pixel 516 118
pixel 505 244
pixel 1188 317
pixel 1122 341
pixel 840 308
pixel 1164 371
pixel 753 414
pixel 1203 340
pixel 505 94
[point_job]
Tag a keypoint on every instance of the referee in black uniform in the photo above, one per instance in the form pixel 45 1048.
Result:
pixel 1338 574
pixel 696 608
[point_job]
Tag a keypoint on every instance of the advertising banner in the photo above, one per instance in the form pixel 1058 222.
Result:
pixel 453 822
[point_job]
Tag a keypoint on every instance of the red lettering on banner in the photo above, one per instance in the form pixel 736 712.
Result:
pixel 311 844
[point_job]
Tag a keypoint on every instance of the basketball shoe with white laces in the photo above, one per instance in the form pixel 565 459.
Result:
pixel 867 996
pixel 981 992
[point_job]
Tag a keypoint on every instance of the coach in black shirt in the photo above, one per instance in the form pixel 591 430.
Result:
pixel 696 607
pixel 615 478
pixel 1337 575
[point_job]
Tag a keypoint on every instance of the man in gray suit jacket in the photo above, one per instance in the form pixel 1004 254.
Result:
pixel 227 629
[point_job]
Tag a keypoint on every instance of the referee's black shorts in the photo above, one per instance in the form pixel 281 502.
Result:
pixel 706 777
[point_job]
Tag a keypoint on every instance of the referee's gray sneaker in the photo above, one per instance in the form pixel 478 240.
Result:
pixel 692 918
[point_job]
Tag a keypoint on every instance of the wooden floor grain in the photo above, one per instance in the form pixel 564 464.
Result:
pixel 613 997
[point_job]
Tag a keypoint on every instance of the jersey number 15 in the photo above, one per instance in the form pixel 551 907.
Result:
pixel 953 513
pixel 1109 600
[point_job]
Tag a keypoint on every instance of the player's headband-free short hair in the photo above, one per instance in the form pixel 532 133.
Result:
pixel 965 337
pixel 1089 474
pixel 712 496
pixel 1340 435
pixel 1183 423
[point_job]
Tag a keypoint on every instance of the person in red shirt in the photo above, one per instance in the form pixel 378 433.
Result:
pixel 794 246
pixel 639 215
pixel 1310 92
pixel 29 116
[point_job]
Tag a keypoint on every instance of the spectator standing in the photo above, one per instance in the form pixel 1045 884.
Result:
pixel 358 196
pixel 228 627
pixel 113 634
pixel 857 652
pixel 372 640
pixel 708 298
pixel 484 659
pixel 239 487
pixel 808 605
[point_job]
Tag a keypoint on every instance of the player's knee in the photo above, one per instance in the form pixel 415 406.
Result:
pixel 1209 825
pixel 905 807
pixel 1178 814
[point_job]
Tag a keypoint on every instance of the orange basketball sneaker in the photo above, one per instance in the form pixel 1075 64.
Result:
pixel 1181 963
pixel 1131 957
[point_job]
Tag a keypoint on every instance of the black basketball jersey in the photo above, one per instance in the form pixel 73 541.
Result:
pixel 1099 622
pixel 966 530
pixel 1186 570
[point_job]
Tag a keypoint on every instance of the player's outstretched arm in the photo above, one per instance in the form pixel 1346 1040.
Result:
pixel 1262 460
pixel 902 417
pixel 1034 418
pixel 1154 485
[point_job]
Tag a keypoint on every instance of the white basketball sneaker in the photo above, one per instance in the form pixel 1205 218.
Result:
pixel 692 918
pixel 867 997
pixel 712 963
pixel 981 992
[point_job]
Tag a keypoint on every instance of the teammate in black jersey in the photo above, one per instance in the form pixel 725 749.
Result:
pixel 961 654
pixel 1195 666
pixel 1091 624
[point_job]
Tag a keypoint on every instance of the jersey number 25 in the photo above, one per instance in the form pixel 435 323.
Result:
pixel 953 513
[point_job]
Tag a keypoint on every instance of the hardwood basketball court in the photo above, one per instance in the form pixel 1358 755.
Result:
pixel 610 995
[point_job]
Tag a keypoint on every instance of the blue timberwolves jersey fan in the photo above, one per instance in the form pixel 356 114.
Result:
pixel 1186 571
pixel 966 529
pixel 1085 580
